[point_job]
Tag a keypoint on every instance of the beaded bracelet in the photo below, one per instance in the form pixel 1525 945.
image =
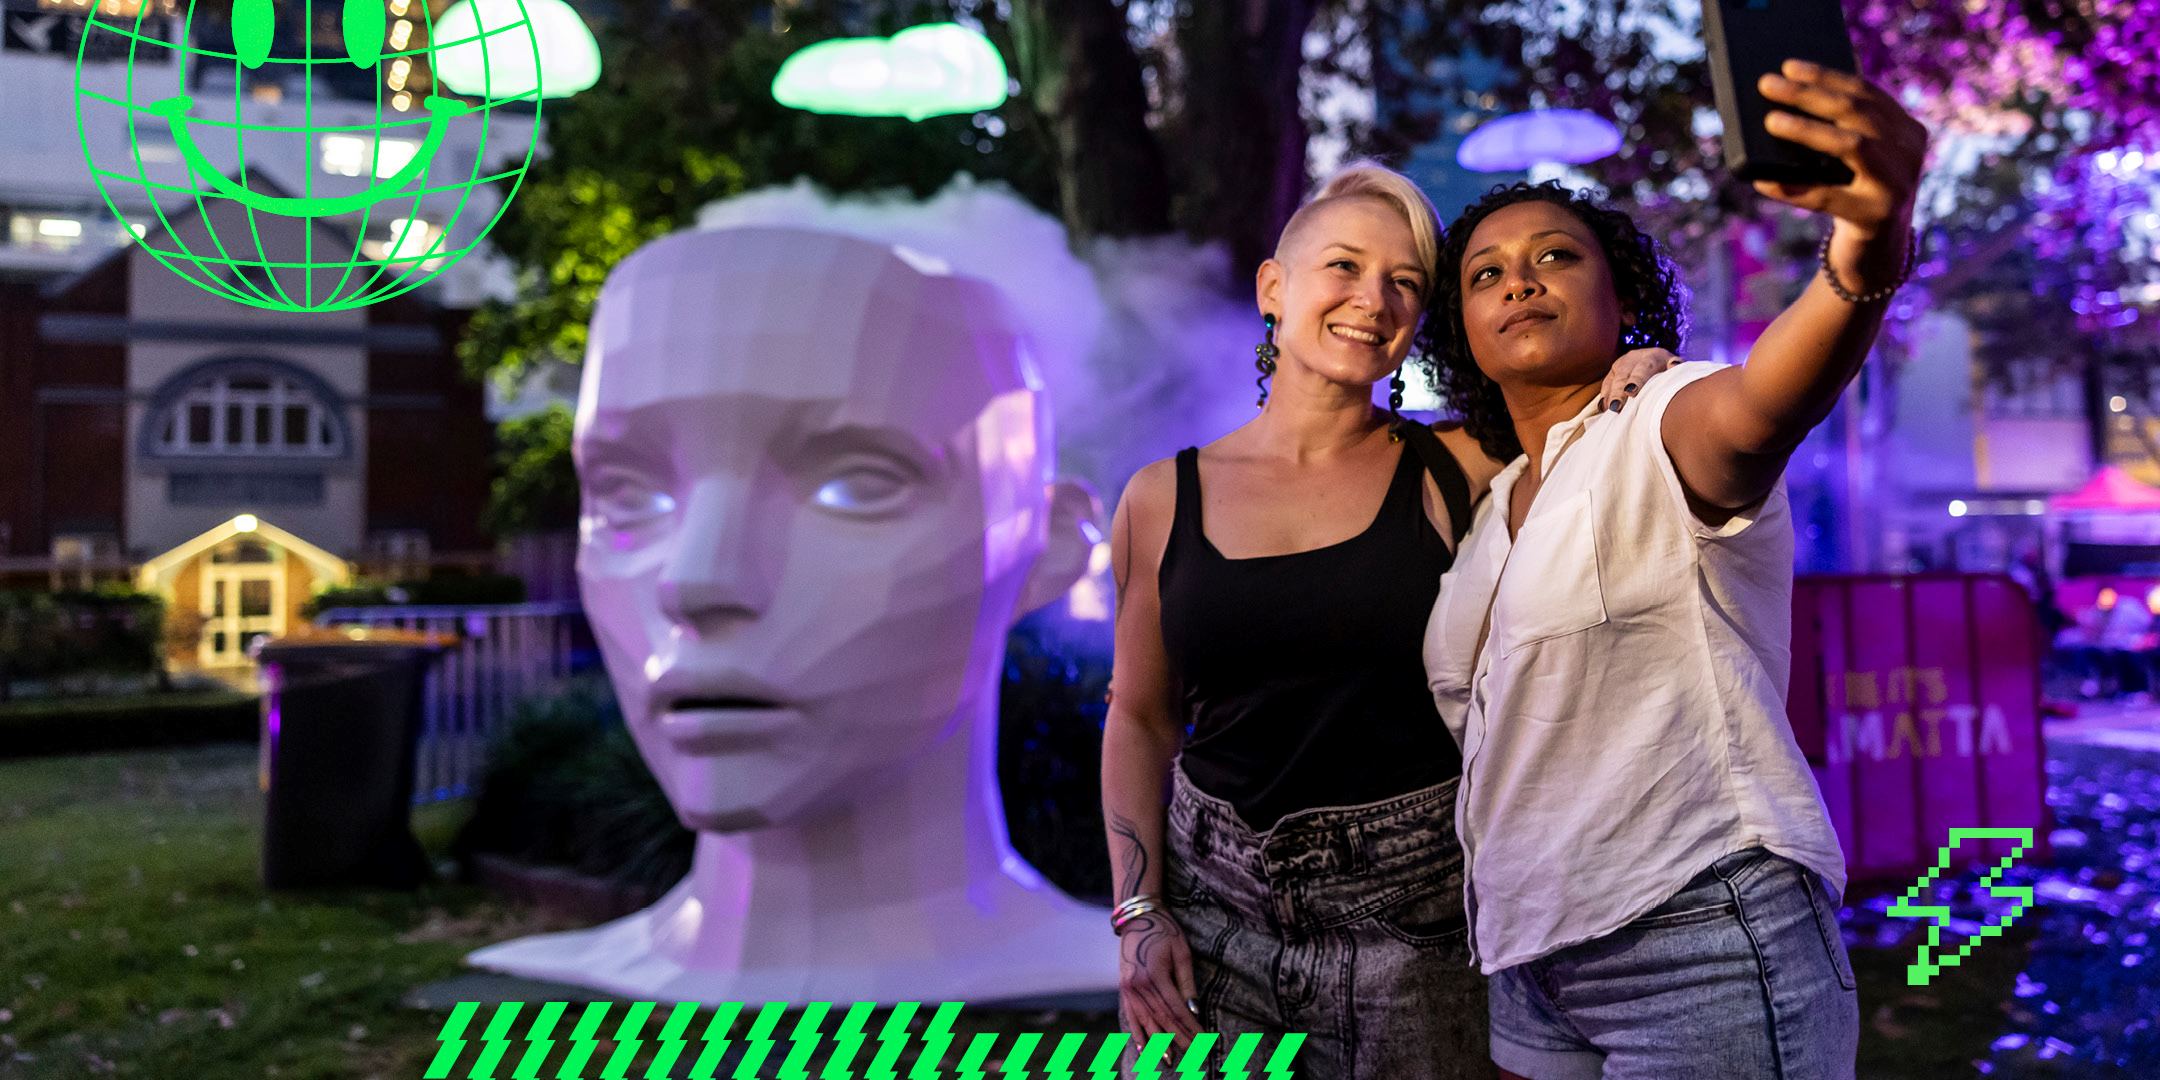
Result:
pixel 1912 253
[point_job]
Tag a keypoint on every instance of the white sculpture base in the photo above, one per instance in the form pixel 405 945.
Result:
pixel 640 957
pixel 910 895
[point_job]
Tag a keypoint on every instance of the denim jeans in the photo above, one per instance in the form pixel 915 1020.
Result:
pixel 1741 974
pixel 1344 923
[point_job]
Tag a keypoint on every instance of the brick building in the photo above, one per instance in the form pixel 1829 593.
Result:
pixel 142 418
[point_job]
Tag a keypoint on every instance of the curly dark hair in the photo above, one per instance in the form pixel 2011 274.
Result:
pixel 1648 285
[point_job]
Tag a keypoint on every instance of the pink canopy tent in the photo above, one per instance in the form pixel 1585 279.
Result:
pixel 2110 489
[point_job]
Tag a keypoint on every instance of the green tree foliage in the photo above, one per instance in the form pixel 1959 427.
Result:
pixel 535 487
pixel 56 635
pixel 684 115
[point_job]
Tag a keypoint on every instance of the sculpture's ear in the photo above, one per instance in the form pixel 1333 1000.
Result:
pixel 1076 526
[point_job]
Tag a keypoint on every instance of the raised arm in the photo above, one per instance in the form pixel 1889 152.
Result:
pixel 1731 433
pixel 1141 736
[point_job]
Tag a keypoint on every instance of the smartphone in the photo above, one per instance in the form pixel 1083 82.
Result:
pixel 1748 39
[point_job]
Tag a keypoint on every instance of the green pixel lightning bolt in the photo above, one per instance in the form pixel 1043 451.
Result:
pixel 452 1038
pixel 848 1042
pixel 1016 1063
pixel 671 1041
pixel 716 1040
pixel 582 1043
pixel 627 1041
pixel 978 1051
pixel 1278 1066
pixel 758 1044
pixel 539 1043
pixel 892 1041
pixel 494 1042
pixel 806 1040
pixel 1924 969
pixel 938 1039
pixel 935 1040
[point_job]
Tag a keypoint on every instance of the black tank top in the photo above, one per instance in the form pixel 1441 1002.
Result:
pixel 1303 675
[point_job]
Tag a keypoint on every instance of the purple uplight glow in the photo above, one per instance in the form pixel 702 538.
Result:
pixel 271 679
pixel 1543 136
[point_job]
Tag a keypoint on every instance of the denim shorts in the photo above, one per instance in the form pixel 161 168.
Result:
pixel 1741 974
pixel 1344 923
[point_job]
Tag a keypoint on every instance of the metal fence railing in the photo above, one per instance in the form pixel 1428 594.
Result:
pixel 504 653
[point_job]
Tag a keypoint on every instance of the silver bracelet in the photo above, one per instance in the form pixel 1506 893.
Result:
pixel 1126 916
pixel 1132 908
pixel 1912 255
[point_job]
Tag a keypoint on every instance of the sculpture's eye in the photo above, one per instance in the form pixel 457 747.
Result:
pixel 365 24
pixel 867 487
pixel 252 28
pixel 620 499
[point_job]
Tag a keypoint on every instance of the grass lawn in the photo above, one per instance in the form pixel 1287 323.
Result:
pixel 102 704
pixel 135 940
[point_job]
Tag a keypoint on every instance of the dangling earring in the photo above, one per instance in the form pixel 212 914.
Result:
pixel 1394 405
pixel 1267 352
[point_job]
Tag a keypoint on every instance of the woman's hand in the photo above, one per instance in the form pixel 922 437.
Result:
pixel 1885 147
pixel 1155 982
pixel 1630 374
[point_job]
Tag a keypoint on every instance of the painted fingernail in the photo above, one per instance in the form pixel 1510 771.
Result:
pixel 1630 388
pixel 1616 406
pixel 1193 1005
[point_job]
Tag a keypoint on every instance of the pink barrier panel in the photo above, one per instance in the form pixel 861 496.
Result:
pixel 1917 700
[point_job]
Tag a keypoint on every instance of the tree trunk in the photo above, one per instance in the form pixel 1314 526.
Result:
pixel 1079 69
pixel 1242 154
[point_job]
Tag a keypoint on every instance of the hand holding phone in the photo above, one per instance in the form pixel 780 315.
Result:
pixel 1748 39
pixel 1861 127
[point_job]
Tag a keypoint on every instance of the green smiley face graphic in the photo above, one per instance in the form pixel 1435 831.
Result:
pixel 221 174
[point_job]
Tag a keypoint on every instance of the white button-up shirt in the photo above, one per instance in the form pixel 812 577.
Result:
pixel 1624 725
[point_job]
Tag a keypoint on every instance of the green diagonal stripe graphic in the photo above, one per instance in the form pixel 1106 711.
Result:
pixel 678 1053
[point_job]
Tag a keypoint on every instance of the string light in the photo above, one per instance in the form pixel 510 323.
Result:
pixel 400 33
pixel 402 102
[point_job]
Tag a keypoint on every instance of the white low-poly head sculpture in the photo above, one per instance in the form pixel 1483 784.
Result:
pixel 816 495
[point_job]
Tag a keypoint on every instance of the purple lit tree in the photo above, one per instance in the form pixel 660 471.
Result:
pixel 2043 212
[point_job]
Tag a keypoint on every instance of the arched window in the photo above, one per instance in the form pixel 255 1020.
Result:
pixel 245 408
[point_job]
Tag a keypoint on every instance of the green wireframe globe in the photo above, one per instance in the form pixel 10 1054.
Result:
pixel 236 232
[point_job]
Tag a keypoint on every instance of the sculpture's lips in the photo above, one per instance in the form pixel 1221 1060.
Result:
pixel 726 725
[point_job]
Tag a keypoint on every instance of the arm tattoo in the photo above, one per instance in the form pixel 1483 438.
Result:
pixel 1149 932
pixel 1134 857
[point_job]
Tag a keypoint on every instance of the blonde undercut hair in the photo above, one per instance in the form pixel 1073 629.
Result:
pixel 1368 179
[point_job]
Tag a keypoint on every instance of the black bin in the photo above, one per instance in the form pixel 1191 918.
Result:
pixel 341 720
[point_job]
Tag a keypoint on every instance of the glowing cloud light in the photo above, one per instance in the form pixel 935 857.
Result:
pixel 507 66
pixel 1544 136
pixel 937 69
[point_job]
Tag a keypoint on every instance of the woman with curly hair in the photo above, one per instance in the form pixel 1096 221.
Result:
pixel 1273 587
pixel 1652 876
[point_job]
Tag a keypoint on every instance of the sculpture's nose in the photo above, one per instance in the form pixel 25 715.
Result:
pixel 726 560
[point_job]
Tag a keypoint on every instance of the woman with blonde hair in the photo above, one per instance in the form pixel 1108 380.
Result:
pixel 1305 875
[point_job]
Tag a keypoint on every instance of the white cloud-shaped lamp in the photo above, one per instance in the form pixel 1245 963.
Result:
pixel 1543 136
pixel 506 65
pixel 936 69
